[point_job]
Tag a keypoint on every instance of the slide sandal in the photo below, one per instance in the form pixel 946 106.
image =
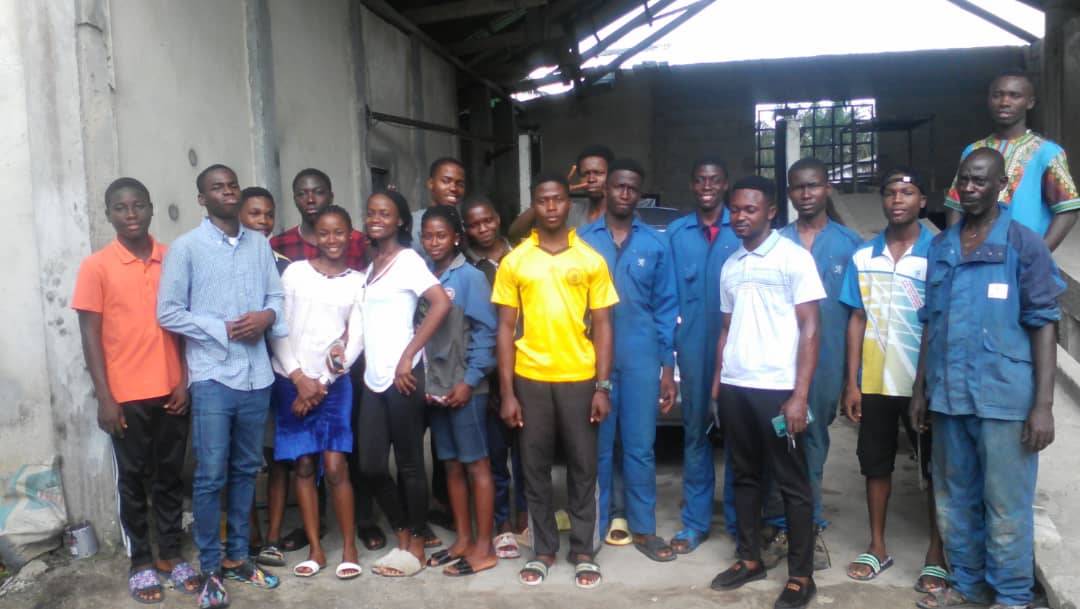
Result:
pixel 619 533
pixel 348 570
pixel 308 568
pixel 869 560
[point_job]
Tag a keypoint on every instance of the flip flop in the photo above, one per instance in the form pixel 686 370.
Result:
pixel 463 568
pixel 270 555
pixel 692 538
pixel 308 568
pixel 506 546
pixel 145 581
pixel 652 546
pixel 587 567
pixel 534 566
pixel 876 566
pixel 441 558
pixel 619 525
pixel 181 575
pixel 932 571
pixel 345 566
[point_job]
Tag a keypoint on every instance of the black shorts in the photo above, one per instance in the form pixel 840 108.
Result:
pixel 882 417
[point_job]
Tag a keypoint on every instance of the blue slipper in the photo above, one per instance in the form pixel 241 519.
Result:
pixel 690 537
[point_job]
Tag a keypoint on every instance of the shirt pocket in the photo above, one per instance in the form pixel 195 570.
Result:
pixel 642 269
pixel 689 275
pixel 1007 373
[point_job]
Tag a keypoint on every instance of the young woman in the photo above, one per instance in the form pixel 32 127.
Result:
pixel 486 249
pixel 459 358
pixel 313 391
pixel 392 407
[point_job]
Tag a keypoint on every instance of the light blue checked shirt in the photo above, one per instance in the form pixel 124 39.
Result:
pixel 206 281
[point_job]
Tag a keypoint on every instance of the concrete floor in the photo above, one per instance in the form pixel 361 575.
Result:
pixel 631 580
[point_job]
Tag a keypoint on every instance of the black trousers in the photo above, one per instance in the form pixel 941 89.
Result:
pixel 362 499
pixel 151 456
pixel 388 420
pixel 558 414
pixel 748 430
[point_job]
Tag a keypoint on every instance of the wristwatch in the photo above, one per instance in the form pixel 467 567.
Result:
pixel 603 385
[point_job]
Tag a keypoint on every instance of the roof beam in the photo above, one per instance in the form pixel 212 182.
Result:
pixel 1004 24
pixel 463 9
pixel 518 38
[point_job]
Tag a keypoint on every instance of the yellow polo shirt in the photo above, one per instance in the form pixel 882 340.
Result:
pixel 553 293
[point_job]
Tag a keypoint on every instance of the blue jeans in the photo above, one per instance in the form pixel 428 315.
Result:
pixel 633 418
pixel 502 447
pixel 227 432
pixel 984 486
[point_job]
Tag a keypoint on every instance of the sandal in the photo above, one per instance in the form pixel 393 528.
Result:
pixel 308 568
pixel 618 525
pixel 348 570
pixel 270 555
pixel 183 578
pixel 463 568
pixel 868 560
pixel 143 584
pixel 583 568
pixel 372 537
pixel 949 597
pixel 441 558
pixel 654 547
pixel 249 573
pixel 539 567
pixel 431 540
pixel 213 594
pixel 936 572
pixel 297 539
pixel 687 540
pixel 401 563
pixel 506 546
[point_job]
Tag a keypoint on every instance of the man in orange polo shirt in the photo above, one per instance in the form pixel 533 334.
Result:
pixel 141 387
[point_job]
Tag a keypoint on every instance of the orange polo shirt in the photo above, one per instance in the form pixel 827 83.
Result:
pixel 142 360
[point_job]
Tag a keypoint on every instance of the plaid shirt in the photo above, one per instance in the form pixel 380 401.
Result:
pixel 291 245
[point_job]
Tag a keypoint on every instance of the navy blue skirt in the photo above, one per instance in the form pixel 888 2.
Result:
pixel 328 427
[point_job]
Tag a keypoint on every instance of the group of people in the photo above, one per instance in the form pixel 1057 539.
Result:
pixel 322 349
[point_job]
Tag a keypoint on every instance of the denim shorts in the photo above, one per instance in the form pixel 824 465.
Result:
pixel 460 434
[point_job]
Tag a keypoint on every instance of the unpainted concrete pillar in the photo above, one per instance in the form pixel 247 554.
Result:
pixel 265 162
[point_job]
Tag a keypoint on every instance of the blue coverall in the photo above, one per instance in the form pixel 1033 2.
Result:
pixel 832 249
pixel 697 277
pixel 644 329
pixel 980 382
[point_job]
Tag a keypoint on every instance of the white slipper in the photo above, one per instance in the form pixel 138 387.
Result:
pixel 312 567
pixel 348 566
pixel 384 560
pixel 403 562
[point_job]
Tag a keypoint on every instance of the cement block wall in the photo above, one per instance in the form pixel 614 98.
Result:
pixel 667 116
pixel 94 89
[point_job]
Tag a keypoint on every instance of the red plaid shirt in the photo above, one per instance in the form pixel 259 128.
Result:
pixel 291 245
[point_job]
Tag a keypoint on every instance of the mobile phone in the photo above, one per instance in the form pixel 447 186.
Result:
pixel 779 423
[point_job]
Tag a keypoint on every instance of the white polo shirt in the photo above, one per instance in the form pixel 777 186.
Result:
pixel 760 290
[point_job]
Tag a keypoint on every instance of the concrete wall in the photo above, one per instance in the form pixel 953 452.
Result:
pixel 667 116
pixel 94 89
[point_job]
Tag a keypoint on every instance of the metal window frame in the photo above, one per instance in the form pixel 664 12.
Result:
pixel 842 157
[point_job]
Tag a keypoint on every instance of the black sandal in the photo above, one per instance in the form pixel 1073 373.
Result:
pixel 372 537
pixel 652 546
pixel 441 558
pixel 297 539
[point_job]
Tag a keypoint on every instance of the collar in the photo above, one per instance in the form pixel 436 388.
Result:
pixel 157 252
pixel 475 256
pixel 599 225
pixel 694 220
pixel 458 262
pixel 218 235
pixel 921 246
pixel 572 239
pixel 992 249
pixel 762 250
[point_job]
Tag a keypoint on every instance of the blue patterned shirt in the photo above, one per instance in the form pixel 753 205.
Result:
pixel 208 279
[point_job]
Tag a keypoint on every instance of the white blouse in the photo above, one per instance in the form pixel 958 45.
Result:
pixel 319 310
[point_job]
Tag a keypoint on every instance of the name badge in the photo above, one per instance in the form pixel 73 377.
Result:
pixel 997 291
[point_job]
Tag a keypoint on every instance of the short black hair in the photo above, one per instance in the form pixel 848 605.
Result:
pixel 125 184
pixel 599 150
pixel 447 213
pixel 709 160
pixel 811 163
pixel 903 173
pixel 1015 73
pixel 404 233
pixel 202 174
pixel 335 210
pixel 626 164
pixel 477 200
pixel 444 160
pixel 315 173
pixel 755 182
pixel 256 191
pixel 549 176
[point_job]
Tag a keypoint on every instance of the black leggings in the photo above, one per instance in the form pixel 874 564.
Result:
pixel 388 418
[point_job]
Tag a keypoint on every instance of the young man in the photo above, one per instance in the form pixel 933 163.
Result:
pixel 221 291
pixel 700 244
pixel 885 287
pixel 257 213
pixel 592 167
pixel 986 367
pixel 312 193
pixel 561 377
pixel 446 186
pixel 644 328
pixel 1040 192
pixel 141 387
pixel 769 293
pixel 831 244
